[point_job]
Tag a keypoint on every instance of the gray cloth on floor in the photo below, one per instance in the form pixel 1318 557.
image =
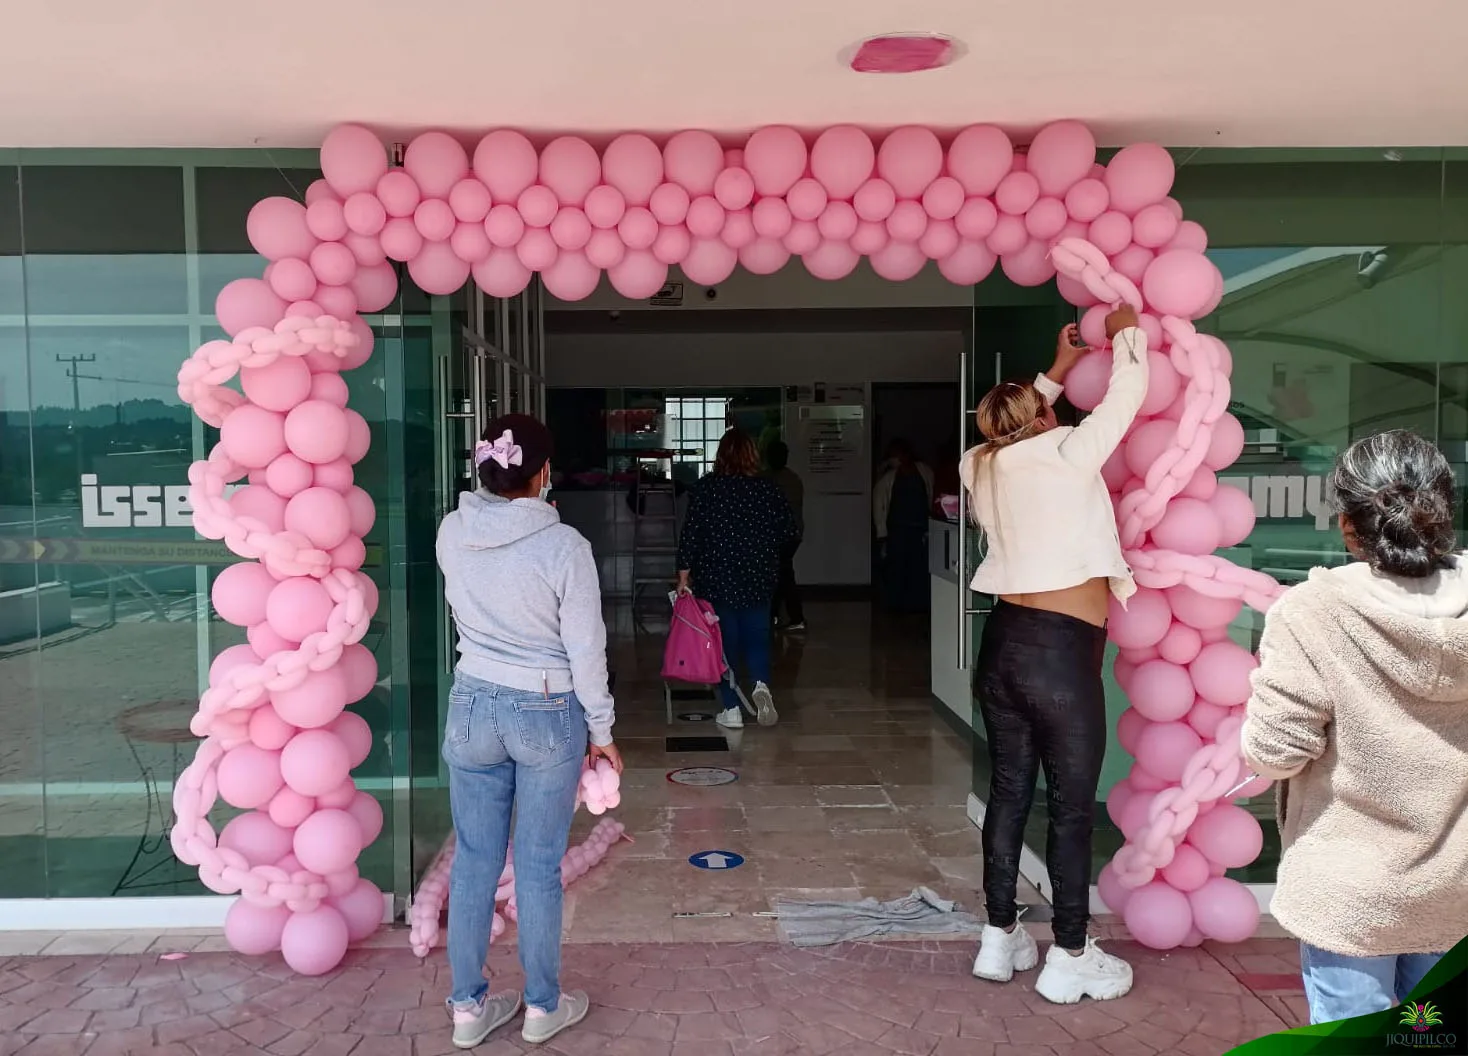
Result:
pixel 921 913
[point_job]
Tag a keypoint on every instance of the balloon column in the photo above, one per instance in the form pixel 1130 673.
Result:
pixel 599 791
pixel 277 740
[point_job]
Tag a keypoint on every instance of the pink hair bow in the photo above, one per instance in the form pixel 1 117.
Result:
pixel 504 451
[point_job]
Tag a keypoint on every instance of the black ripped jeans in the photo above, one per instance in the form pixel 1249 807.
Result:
pixel 1038 683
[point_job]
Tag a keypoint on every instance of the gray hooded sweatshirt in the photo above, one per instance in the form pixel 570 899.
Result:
pixel 526 599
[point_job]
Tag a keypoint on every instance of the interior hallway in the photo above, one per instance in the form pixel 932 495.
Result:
pixel 859 791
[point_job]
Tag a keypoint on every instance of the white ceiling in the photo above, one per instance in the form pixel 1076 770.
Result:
pixel 281 72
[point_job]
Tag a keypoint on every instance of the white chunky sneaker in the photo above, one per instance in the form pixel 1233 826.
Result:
pixel 764 705
pixel 1002 953
pixel 1095 974
pixel 731 719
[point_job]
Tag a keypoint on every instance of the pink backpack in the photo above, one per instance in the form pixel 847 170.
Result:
pixel 695 649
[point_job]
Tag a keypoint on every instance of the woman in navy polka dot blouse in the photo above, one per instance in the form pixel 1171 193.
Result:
pixel 737 524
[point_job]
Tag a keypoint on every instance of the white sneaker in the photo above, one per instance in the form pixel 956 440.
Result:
pixel 764 705
pixel 1002 953
pixel 731 719
pixel 1095 974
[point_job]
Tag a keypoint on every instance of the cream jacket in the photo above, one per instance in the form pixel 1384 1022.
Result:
pixel 1045 511
pixel 1360 710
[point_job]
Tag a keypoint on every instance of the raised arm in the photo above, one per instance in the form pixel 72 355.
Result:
pixel 1091 443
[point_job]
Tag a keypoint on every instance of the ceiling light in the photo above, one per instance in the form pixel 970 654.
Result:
pixel 903 53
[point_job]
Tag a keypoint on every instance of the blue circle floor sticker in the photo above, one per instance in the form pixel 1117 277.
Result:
pixel 716 860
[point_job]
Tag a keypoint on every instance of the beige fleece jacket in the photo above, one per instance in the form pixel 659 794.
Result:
pixel 1360 710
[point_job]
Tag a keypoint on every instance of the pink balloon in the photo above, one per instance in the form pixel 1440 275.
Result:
pixel 1061 155
pixel 776 158
pixel 979 157
pixel 1228 835
pixel 1180 283
pixel 572 277
pixel 1222 673
pixel 244 303
pixel 1160 691
pixel 832 260
pixel 1203 484
pixel 571 229
pixel 255 930
pixel 898 261
pixel 1029 266
pixel 1200 611
pixel 314 763
pixel 869 237
pixel 806 199
pixel 606 249
pixel 292 279
pixel 669 204
pixel 764 256
pixel 321 515
pixel 1188 870
pixel 1129 727
pixel 364 214
pixel 361 507
pixel 399 194
pixel 1206 718
pixel 1112 893
pixel 907 222
pixel 355 734
pixel 967 265
pixel 803 237
pixel 1146 444
pixel 605 207
pixel 279 385
pixel 368 813
pixel 1164 748
pixel 909 159
pixel 734 188
pixel 1224 448
pixel 333 264
pixel 1009 235
pixel 976 219
pixel 570 167
pixel 1143 781
pixel 1163 383
pixel 739 229
pixel 361 908
pixel 248 776
pixel 337 301
pixel 434 220
pixel 338 798
pixel 1134 812
pixel 316 431
pixel 326 220
pixel 939 239
pixel 264 641
pixel 358 353
pixel 1139 175
pixel 1154 226
pixel 1111 232
pixel 1158 915
pixel 639 276
pixel 874 200
pixel 228 660
pixel 470 200
pixel 1188 526
pixel 842 159
pixel 314 943
pixel 1087 200
pixel 1225 910
pixel 944 198
pixel 693 159
pixel 638 229
pixel 350 554
pixel 1142 623
pixel 1046 218
pixel 1116 800
pixel 709 262
pixel 1133 262
pixel 1017 192
pixel 1180 645
pixel 438 270
pixel 705 217
pixel 239 593
pixel 537 205
pixel 269 731
pixel 506 163
pixel 353 159
pixel 633 165
pixel 672 244
pixel 1085 385
pixel 277 229
pixel 297 607
pixel 375 287
pixel 1235 511
pixel 1190 236
pixel 436 162
pixel 366 248
pixel 253 436
pixel 255 836
pixel 401 240
pixel 504 226
pixel 1256 787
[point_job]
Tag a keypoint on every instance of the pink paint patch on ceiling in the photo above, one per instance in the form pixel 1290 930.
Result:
pixel 904 53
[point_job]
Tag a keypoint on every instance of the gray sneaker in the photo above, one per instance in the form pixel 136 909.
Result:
pixel 571 1010
pixel 473 1023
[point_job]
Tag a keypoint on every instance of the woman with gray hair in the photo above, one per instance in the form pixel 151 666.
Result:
pixel 1360 711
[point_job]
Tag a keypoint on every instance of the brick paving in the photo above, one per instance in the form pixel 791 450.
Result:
pixel 674 999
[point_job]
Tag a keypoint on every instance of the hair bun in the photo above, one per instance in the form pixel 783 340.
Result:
pixel 1396 492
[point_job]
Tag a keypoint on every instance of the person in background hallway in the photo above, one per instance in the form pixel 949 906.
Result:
pixel 1360 711
pixel 530 689
pixel 787 593
pixel 1054 563
pixel 737 526
pixel 900 502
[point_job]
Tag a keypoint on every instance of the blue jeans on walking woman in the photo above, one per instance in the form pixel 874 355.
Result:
pixel 511 753
pixel 746 645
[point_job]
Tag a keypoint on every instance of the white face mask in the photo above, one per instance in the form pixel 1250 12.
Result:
pixel 545 487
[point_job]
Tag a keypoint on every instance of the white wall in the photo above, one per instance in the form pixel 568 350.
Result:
pixel 615 360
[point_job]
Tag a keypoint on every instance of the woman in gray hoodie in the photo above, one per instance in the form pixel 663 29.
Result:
pixel 530 691
pixel 1360 711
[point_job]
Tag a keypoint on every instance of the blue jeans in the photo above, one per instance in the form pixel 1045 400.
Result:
pixel 511 754
pixel 1341 987
pixel 746 643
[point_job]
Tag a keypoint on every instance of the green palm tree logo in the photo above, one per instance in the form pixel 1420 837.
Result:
pixel 1421 1016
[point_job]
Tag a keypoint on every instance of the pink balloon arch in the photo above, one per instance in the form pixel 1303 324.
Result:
pixel 278 741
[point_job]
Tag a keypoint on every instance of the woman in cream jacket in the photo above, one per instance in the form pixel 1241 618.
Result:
pixel 1360 711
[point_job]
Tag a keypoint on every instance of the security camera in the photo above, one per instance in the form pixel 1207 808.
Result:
pixel 711 293
pixel 1371 267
